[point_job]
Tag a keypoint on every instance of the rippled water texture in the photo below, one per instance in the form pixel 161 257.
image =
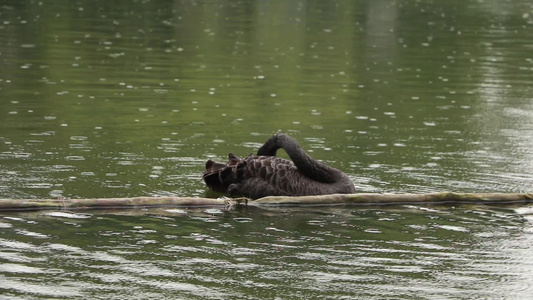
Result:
pixel 122 99
pixel 401 253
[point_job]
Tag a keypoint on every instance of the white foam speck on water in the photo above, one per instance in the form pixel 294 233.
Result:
pixel 66 248
pixel 5 225
pixel 176 211
pixel 213 211
pixel 452 228
pixel 32 234
pixel 18 268
pixel 60 214
pixel 16 245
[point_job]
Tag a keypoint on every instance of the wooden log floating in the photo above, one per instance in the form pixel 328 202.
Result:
pixel 321 200
pixel 102 203
pixel 399 199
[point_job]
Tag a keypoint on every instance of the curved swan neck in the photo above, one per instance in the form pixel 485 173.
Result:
pixel 270 148
pixel 305 163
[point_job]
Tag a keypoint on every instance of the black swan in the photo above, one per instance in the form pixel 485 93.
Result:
pixel 267 175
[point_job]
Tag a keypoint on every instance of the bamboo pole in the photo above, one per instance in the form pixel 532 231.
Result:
pixel 321 200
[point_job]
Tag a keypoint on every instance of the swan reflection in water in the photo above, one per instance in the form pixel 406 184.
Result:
pixel 264 174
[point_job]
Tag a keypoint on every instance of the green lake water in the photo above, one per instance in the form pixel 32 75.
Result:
pixel 130 98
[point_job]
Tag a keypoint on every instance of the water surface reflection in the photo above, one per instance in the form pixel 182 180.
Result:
pixel 103 100
pixel 404 252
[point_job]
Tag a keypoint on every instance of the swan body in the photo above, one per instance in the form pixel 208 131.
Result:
pixel 264 174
